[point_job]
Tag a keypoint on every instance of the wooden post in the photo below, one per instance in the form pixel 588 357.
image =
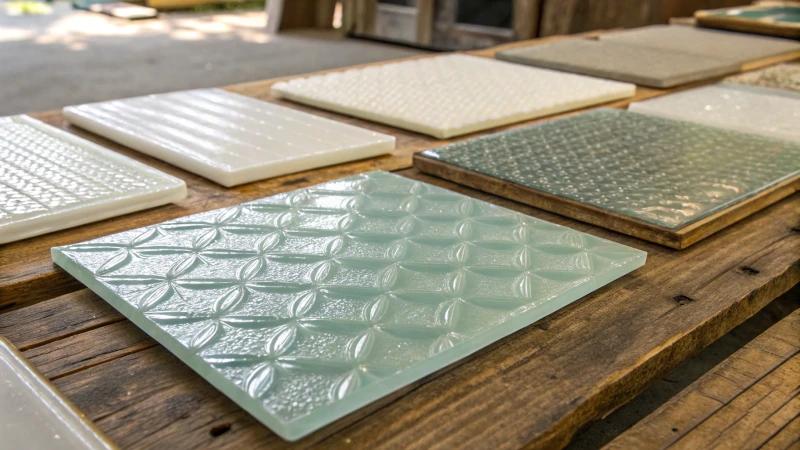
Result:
pixel 425 14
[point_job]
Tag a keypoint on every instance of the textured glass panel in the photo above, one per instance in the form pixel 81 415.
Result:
pixel 734 47
pixel 781 76
pixel 768 112
pixel 228 138
pixel 51 180
pixel 33 415
pixel 449 95
pixel 662 171
pixel 305 306
pixel 623 62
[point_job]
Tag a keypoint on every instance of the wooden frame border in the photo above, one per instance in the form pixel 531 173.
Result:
pixel 675 238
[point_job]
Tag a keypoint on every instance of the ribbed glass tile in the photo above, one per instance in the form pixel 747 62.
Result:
pixel 449 95
pixel 51 180
pixel 665 172
pixel 623 62
pixel 225 137
pixel 308 305
pixel 768 112
pixel 725 45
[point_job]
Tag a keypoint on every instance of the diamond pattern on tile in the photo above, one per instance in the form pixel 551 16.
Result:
pixel 734 47
pixel 763 111
pixel 449 95
pixel 665 172
pixel 228 138
pixel 305 306
pixel 622 62
pixel 51 180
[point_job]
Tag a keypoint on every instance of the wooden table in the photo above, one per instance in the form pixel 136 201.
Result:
pixel 534 388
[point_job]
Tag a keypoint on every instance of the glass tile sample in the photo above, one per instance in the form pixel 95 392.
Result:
pixel 51 180
pixel 763 111
pixel 645 66
pixel 228 138
pixel 664 172
pixel 308 305
pixel 34 415
pixel 450 95
pixel 735 47
pixel 780 76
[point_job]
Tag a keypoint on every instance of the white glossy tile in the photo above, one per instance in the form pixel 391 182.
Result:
pixel 51 180
pixel 225 137
pixel 450 95
pixel 34 416
pixel 750 109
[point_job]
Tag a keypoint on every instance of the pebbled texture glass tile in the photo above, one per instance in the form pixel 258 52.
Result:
pixel 308 305
pixel 449 95
pixel 51 180
pixel 34 415
pixel 228 138
pixel 763 111
pixel 781 76
pixel 662 171
pixel 735 47
pixel 622 62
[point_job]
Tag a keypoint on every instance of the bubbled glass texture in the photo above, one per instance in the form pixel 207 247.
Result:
pixel 449 95
pixel 768 112
pixel 305 306
pixel 49 179
pixel 665 172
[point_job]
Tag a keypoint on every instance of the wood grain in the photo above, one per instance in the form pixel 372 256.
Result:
pixel 534 388
pixel 28 275
pixel 678 238
pixel 746 402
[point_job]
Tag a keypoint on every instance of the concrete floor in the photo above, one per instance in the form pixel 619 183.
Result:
pixel 72 57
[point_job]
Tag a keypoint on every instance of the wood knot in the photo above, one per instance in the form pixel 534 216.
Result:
pixel 219 430
pixel 749 270
pixel 682 299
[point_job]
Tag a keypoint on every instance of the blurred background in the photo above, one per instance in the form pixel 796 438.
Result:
pixel 54 54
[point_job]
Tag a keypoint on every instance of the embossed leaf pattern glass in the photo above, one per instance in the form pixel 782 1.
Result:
pixel 51 180
pixel 665 172
pixel 305 306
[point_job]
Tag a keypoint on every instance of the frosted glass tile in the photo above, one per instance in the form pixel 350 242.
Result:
pixel 780 76
pixel 308 305
pixel 763 111
pixel 622 62
pixel 738 48
pixel 665 172
pixel 225 137
pixel 51 180
pixel 34 416
pixel 450 95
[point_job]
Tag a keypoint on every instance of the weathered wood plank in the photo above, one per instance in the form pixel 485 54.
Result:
pixel 79 352
pixel 577 365
pixel 746 402
pixel 56 319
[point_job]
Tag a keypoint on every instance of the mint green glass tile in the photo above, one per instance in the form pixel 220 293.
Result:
pixel 308 305
pixel 666 172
